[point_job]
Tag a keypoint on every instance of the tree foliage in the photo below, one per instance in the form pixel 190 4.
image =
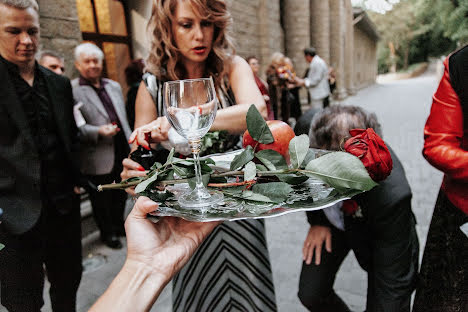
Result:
pixel 417 29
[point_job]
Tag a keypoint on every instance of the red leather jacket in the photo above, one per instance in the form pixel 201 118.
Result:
pixel 446 137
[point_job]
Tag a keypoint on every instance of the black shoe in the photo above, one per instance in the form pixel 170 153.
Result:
pixel 112 241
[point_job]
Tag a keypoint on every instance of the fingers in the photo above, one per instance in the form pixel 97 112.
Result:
pixel 130 164
pixel 328 242
pixel 142 207
pixel 318 254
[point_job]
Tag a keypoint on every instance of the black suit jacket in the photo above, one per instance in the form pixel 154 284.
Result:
pixel 384 240
pixel 20 165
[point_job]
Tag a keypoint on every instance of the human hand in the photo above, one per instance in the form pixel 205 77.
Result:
pixel 108 130
pixel 157 129
pixel 315 238
pixel 131 169
pixel 166 246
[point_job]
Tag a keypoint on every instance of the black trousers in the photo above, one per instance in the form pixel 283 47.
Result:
pixel 54 243
pixel 390 260
pixel 108 206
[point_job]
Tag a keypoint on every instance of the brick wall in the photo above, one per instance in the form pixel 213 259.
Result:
pixel 365 59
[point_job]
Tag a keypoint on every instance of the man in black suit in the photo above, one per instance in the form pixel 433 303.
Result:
pixel 381 232
pixel 38 143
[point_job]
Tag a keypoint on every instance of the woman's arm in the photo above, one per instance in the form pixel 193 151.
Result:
pixel 443 133
pixel 246 93
pixel 155 252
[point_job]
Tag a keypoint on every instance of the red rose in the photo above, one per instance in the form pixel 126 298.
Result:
pixel 349 207
pixel 372 151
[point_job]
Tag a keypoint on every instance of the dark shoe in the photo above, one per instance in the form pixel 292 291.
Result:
pixel 112 241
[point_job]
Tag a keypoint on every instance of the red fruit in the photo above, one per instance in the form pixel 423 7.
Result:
pixel 282 134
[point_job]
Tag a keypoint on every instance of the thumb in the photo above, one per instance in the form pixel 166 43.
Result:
pixel 142 207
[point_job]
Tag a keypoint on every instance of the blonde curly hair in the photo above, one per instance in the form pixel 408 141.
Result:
pixel 164 59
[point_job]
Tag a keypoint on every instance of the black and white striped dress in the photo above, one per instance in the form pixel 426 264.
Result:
pixel 231 270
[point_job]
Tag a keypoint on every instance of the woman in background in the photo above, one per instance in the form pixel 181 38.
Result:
pixel 231 269
pixel 262 85
pixel 444 270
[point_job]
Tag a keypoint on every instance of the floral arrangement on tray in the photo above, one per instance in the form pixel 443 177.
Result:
pixel 262 174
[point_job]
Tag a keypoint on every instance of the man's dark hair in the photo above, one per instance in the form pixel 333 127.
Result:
pixel 50 53
pixel 330 128
pixel 251 57
pixel 21 4
pixel 310 51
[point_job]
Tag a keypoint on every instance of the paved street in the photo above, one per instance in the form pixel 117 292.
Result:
pixel 402 108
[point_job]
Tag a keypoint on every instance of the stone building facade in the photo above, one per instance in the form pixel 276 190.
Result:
pixel 343 37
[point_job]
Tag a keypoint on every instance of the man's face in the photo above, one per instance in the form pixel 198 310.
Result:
pixel 54 64
pixel 89 66
pixel 308 58
pixel 19 34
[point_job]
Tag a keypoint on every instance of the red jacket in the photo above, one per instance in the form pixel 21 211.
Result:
pixel 446 138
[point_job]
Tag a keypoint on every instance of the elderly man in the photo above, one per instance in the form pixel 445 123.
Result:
pixel 104 139
pixel 316 80
pixel 51 61
pixel 378 225
pixel 38 140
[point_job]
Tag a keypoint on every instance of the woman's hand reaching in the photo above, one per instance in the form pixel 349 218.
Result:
pixel 153 132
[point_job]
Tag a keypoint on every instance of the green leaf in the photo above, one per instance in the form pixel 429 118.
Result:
pixel 218 180
pixel 141 187
pixel 133 179
pixel 156 166
pixel 2 246
pixel 298 148
pixel 309 156
pixel 250 195
pixel 276 191
pixel 243 158
pixel 180 171
pixel 261 167
pixel 258 129
pixel 341 170
pixel 183 162
pixel 170 157
pixel 292 179
pixel 205 168
pixel 272 159
pixel 193 181
pixel 250 171
pixel 208 161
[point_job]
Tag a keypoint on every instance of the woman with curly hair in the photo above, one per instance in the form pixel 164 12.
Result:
pixel 189 39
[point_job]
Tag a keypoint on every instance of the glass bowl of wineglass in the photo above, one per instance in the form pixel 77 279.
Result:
pixel 190 107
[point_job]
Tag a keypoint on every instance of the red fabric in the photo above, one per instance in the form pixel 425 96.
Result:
pixel 264 91
pixel 349 207
pixel 372 151
pixel 446 142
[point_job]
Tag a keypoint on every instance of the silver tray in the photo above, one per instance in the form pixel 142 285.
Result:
pixel 310 195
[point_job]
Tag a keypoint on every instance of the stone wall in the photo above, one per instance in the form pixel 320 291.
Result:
pixel 365 59
pixel 60 29
pixel 261 27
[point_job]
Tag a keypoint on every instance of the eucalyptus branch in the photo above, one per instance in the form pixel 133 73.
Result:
pixel 124 185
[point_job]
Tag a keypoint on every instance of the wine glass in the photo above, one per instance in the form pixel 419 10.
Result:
pixel 191 109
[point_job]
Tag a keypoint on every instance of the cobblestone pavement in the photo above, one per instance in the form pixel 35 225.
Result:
pixel 402 108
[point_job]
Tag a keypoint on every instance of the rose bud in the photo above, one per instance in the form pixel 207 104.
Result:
pixel 372 151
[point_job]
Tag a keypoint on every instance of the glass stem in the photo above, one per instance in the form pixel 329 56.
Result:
pixel 195 145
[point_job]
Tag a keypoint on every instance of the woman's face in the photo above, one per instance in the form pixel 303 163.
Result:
pixel 253 62
pixel 193 36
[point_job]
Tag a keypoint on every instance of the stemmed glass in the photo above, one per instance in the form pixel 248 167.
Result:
pixel 191 109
